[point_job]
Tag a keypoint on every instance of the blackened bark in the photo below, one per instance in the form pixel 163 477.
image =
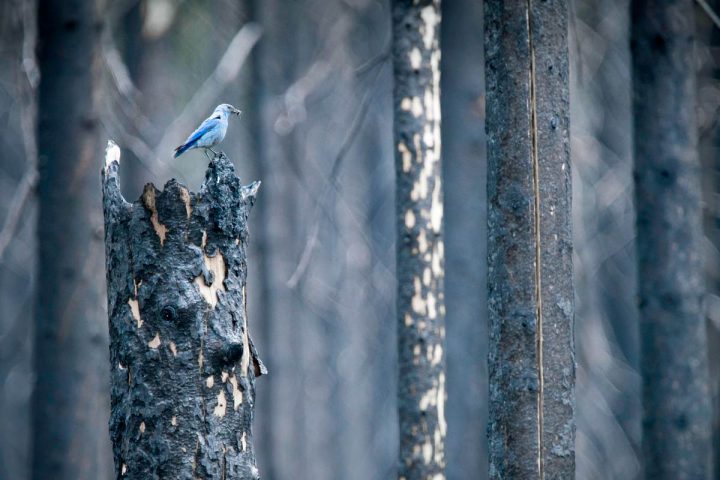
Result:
pixel 531 359
pixel 677 414
pixel 420 262
pixel 182 361
pixel 70 402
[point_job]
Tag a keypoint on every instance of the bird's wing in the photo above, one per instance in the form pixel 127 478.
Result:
pixel 204 127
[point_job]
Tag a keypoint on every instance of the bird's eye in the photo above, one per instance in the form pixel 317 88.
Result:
pixel 168 313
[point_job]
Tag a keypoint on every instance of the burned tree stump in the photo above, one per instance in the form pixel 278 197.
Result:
pixel 183 364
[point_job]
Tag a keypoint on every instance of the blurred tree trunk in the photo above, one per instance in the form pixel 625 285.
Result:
pixel 464 167
pixel 134 51
pixel 420 262
pixel 281 437
pixel 531 360
pixel 71 398
pixel 608 398
pixel 677 419
pixel 133 48
pixel 707 47
pixel 183 362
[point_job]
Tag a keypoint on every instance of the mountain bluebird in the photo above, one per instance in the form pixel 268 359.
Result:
pixel 210 132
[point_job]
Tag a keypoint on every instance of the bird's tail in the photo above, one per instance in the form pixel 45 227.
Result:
pixel 181 149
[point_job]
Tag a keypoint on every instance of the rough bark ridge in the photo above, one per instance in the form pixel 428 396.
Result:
pixel 677 413
pixel 70 400
pixel 420 262
pixel 531 354
pixel 183 364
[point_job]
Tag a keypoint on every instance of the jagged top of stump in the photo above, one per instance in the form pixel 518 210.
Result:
pixel 192 246
pixel 221 187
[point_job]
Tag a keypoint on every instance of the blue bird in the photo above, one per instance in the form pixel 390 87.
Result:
pixel 210 132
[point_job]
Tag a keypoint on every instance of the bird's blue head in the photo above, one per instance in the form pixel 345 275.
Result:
pixel 226 109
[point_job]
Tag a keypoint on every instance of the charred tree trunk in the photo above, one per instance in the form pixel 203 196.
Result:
pixel 420 262
pixel 677 414
pixel 183 364
pixel 531 360
pixel 70 401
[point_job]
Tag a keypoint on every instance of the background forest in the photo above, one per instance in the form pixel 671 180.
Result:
pixel 314 80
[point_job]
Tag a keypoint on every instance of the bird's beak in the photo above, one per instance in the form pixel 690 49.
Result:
pixel 236 111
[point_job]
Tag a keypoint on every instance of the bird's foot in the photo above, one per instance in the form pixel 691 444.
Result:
pixel 215 155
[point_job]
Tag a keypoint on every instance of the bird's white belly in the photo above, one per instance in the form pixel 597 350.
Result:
pixel 213 137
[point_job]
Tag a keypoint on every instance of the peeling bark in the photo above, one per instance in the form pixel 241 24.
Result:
pixel 420 255
pixel 183 363
pixel 531 359
pixel 677 413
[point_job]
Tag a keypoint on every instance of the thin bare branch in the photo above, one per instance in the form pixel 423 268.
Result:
pixel 112 122
pixel 26 186
pixel 293 111
pixel 29 65
pixel 306 255
pixel 117 68
pixel 331 185
pixel 382 57
pixel 19 202
pixel 709 12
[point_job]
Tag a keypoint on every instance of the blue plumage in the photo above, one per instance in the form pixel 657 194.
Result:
pixel 210 132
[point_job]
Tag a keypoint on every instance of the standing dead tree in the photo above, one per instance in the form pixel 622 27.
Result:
pixel 531 354
pixel 183 364
pixel 420 251
pixel 677 413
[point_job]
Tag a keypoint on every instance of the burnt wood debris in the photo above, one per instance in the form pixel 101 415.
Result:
pixel 183 365
pixel 530 292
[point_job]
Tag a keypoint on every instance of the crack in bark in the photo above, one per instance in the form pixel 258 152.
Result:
pixel 538 259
